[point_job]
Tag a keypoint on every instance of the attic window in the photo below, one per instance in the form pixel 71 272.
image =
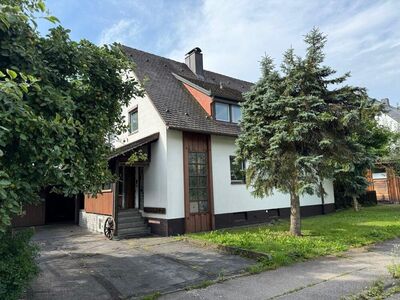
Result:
pixel 133 120
pixel 227 112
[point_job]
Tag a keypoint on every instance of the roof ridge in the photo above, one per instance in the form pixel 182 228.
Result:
pixel 182 63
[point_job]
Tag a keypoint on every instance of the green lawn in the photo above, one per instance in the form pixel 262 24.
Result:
pixel 322 235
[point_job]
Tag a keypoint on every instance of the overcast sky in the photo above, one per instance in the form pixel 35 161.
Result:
pixel 363 36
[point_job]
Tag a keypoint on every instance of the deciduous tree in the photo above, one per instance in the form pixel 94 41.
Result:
pixel 59 100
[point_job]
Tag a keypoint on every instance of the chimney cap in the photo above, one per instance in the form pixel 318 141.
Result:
pixel 197 50
pixel 385 101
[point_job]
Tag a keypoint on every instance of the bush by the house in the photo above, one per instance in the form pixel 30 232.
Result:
pixel 343 201
pixel 17 263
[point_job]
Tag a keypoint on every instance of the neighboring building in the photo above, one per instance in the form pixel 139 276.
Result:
pixel 186 123
pixel 383 179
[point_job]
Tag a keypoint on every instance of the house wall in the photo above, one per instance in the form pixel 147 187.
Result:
pixel 231 198
pixel 175 181
pixel 387 121
pixel 155 175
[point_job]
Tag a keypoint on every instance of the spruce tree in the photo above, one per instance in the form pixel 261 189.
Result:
pixel 298 125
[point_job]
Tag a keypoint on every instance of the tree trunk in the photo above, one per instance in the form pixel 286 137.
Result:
pixel 295 223
pixel 322 193
pixel 356 205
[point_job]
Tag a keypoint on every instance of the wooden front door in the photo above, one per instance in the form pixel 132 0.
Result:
pixel 197 181
pixel 129 187
pixel 126 187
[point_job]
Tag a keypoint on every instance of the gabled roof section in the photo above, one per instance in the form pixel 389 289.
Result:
pixel 176 106
pixel 391 111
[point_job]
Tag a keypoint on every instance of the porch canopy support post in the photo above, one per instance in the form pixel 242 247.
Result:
pixel 115 199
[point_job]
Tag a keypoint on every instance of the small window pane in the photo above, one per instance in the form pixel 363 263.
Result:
pixel 193 181
pixel 202 194
pixel 106 186
pixel 192 157
pixel 133 121
pixel 193 195
pixel 202 181
pixel 201 158
pixel 236 113
pixel 202 170
pixel 238 173
pixel 221 111
pixel 192 170
pixel 194 207
pixel 203 206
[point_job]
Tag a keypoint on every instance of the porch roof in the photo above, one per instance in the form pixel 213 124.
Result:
pixel 136 144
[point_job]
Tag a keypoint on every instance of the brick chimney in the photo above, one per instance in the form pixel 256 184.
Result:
pixel 194 60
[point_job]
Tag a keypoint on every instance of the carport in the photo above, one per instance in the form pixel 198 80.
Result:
pixel 55 208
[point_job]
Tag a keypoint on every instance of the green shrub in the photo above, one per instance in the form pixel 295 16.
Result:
pixel 17 263
pixel 394 270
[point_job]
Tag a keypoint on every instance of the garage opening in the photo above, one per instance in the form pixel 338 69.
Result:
pixel 60 209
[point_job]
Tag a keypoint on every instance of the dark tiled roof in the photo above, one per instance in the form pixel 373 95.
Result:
pixel 391 111
pixel 177 107
pixel 218 90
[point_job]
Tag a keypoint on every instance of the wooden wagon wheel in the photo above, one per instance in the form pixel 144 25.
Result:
pixel 109 228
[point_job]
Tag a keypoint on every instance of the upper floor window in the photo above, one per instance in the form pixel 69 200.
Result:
pixel 227 112
pixel 238 171
pixel 133 120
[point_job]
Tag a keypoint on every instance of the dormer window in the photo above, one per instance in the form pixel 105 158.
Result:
pixel 227 112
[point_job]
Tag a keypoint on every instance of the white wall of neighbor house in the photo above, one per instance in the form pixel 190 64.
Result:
pixel 387 121
pixel 229 198
pixel 155 175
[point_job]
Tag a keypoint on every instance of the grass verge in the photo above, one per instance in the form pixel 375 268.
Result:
pixel 322 235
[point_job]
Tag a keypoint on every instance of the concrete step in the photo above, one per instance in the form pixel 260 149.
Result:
pixel 133 232
pixel 136 224
pixel 129 212
pixel 134 219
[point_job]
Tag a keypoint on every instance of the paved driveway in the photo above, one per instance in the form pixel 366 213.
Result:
pixel 76 264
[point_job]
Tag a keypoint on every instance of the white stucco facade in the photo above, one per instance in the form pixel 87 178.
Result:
pixel 175 181
pixel 387 121
pixel 155 175
pixel 164 176
pixel 230 198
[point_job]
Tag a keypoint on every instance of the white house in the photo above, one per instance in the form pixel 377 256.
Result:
pixel 186 123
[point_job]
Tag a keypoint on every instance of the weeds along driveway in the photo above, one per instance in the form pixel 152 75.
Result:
pixel 76 264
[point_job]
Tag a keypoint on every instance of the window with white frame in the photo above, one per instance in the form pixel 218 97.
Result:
pixel 238 171
pixel 133 121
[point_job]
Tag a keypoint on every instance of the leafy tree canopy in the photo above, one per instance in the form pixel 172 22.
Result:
pixel 59 100
pixel 300 124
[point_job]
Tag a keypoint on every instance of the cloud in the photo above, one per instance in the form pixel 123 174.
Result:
pixel 363 37
pixel 122 32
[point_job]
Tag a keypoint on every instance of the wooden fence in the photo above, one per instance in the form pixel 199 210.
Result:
pixel 102 204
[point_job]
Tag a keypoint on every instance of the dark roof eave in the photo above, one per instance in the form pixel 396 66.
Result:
pixel 203 131
pixel 136 144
